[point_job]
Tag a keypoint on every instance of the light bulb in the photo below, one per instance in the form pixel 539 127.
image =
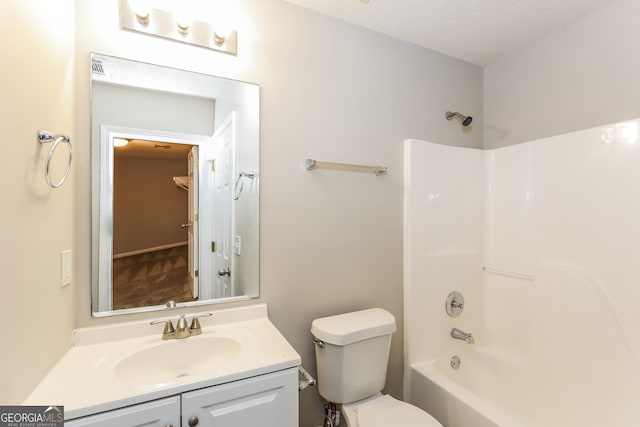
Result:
pixel 120 142
pixel 220 33
pixel 184 14
pixel 141 8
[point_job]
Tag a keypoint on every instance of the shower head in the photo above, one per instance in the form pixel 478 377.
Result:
pixel 466 120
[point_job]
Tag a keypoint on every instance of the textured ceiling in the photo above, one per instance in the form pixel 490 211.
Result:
pixel 477 31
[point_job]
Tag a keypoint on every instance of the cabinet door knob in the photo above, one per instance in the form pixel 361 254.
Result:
pixel 193 421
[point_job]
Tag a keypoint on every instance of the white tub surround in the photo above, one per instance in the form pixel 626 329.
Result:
pixel 99 372
pixel 541 239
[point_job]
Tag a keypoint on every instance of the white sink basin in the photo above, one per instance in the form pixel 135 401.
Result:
pixel 177 358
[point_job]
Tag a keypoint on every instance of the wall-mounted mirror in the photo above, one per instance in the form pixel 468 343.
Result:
pixel 175 200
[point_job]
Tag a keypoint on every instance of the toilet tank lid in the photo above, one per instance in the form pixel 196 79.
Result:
pixel 348 328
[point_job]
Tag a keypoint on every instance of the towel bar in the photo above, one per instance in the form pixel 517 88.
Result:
pixel 311 164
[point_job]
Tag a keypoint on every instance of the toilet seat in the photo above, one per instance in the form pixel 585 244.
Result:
pixel 385 411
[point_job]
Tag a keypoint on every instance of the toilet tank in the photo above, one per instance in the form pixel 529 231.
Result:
pixel 353 353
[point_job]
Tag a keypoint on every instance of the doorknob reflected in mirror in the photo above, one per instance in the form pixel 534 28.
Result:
pixel 185 225
pixel 224 272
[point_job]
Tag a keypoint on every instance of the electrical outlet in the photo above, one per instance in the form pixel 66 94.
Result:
pixel 65 276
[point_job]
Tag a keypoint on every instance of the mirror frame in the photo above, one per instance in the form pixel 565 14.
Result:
pixel 102 159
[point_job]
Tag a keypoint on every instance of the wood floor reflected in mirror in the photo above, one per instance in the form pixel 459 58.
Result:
pixel 151 278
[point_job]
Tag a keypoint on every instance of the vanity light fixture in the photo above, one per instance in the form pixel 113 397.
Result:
pixel 179 25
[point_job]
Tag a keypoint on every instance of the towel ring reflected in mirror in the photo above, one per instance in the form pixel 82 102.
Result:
pixel 240 180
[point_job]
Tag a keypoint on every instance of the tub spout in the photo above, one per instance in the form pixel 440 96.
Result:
pixel 462 335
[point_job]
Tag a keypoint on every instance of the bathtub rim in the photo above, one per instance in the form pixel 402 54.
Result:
pixel 483 407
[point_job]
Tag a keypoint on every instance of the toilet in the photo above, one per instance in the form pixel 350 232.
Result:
pixel 352 353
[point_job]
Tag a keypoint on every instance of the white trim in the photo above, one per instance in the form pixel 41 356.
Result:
pixel 102 256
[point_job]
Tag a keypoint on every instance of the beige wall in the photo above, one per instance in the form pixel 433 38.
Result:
pixel 37 92
pixel 146 109
pixel 330 241
pixel 148 207
pixel 584 76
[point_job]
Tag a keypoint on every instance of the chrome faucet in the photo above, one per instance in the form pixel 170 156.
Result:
pixel 462 335
pixel 181 330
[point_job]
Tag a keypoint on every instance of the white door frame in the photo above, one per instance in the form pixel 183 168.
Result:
pixel 105 207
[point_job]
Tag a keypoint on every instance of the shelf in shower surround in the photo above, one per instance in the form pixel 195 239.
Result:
pixel 516 275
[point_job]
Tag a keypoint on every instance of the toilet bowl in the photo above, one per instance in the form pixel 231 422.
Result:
pixel 383 410
pixel 352 354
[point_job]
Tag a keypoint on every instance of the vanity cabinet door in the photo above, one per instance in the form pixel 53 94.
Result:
pixel 264 401
pixel 158 413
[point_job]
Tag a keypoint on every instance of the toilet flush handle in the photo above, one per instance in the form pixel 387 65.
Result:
pixel 318 342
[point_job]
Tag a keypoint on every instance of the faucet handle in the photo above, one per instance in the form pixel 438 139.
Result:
pixel 195 328
pixel 169 331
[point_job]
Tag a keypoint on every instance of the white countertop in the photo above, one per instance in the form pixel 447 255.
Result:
pixel 83 381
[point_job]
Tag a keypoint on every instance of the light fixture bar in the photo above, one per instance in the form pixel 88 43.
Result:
pixel 162 23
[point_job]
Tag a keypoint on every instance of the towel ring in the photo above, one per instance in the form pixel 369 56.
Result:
pixel 45 137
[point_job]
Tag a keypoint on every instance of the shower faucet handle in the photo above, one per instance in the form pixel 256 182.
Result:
pixel 454 304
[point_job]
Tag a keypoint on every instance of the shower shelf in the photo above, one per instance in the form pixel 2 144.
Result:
pixel 182 182
pixel 508 273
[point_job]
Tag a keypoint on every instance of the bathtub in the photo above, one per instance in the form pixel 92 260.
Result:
pixel 547 263
pixel 435 387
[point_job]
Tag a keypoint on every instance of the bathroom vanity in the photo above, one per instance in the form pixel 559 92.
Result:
pixel 239 372
pixel 266 400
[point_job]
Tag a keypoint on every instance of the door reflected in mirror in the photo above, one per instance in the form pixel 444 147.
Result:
pixel 175 200
pixel 154 206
